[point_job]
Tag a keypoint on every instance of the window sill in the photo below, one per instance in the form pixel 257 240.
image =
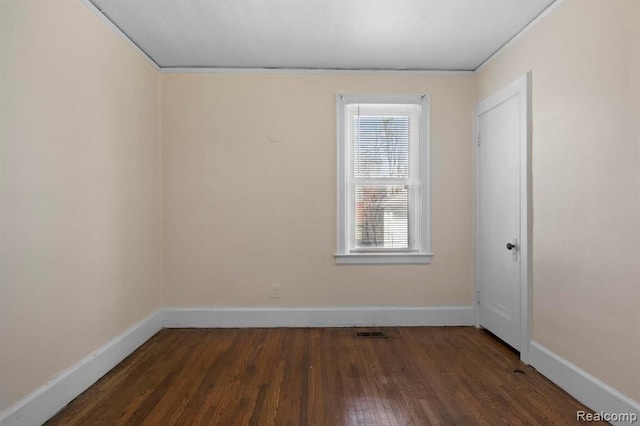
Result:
pixel 383 258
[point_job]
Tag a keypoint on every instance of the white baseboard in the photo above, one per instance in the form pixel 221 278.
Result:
pixel 390 316
pixel 587 389
pixel 44 402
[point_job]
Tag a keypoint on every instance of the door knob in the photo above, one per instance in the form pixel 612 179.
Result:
pixel 510 246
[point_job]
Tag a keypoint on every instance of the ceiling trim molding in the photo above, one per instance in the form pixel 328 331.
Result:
pixel 519 35
pixel 104 18
pixel 250 70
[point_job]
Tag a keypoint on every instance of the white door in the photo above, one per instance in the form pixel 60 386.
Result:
pixel 501 126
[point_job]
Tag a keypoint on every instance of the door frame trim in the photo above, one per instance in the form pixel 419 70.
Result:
pixel 521 87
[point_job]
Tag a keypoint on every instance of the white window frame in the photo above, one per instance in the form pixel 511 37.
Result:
pixel 421 254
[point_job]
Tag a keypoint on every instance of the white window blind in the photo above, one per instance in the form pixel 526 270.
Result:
pixel 382 208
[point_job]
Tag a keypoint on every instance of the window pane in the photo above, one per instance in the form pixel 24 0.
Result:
pixel 382 216
pixel 381 146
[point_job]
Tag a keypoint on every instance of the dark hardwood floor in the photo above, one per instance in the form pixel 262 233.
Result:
pixel 327 376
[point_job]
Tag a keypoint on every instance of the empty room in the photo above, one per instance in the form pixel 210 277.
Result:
pixel 279 212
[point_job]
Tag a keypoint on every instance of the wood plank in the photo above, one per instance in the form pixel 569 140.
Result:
pixel 322 376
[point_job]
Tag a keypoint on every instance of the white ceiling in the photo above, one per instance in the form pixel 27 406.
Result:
pixel 321 34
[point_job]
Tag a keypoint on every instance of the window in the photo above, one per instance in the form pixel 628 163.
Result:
pixel 383 185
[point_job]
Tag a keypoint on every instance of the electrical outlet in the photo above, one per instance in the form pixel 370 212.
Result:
pixel 275 291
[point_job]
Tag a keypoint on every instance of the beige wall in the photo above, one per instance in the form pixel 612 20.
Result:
pixel 585 58
pixel 79 190
pixel 241 213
